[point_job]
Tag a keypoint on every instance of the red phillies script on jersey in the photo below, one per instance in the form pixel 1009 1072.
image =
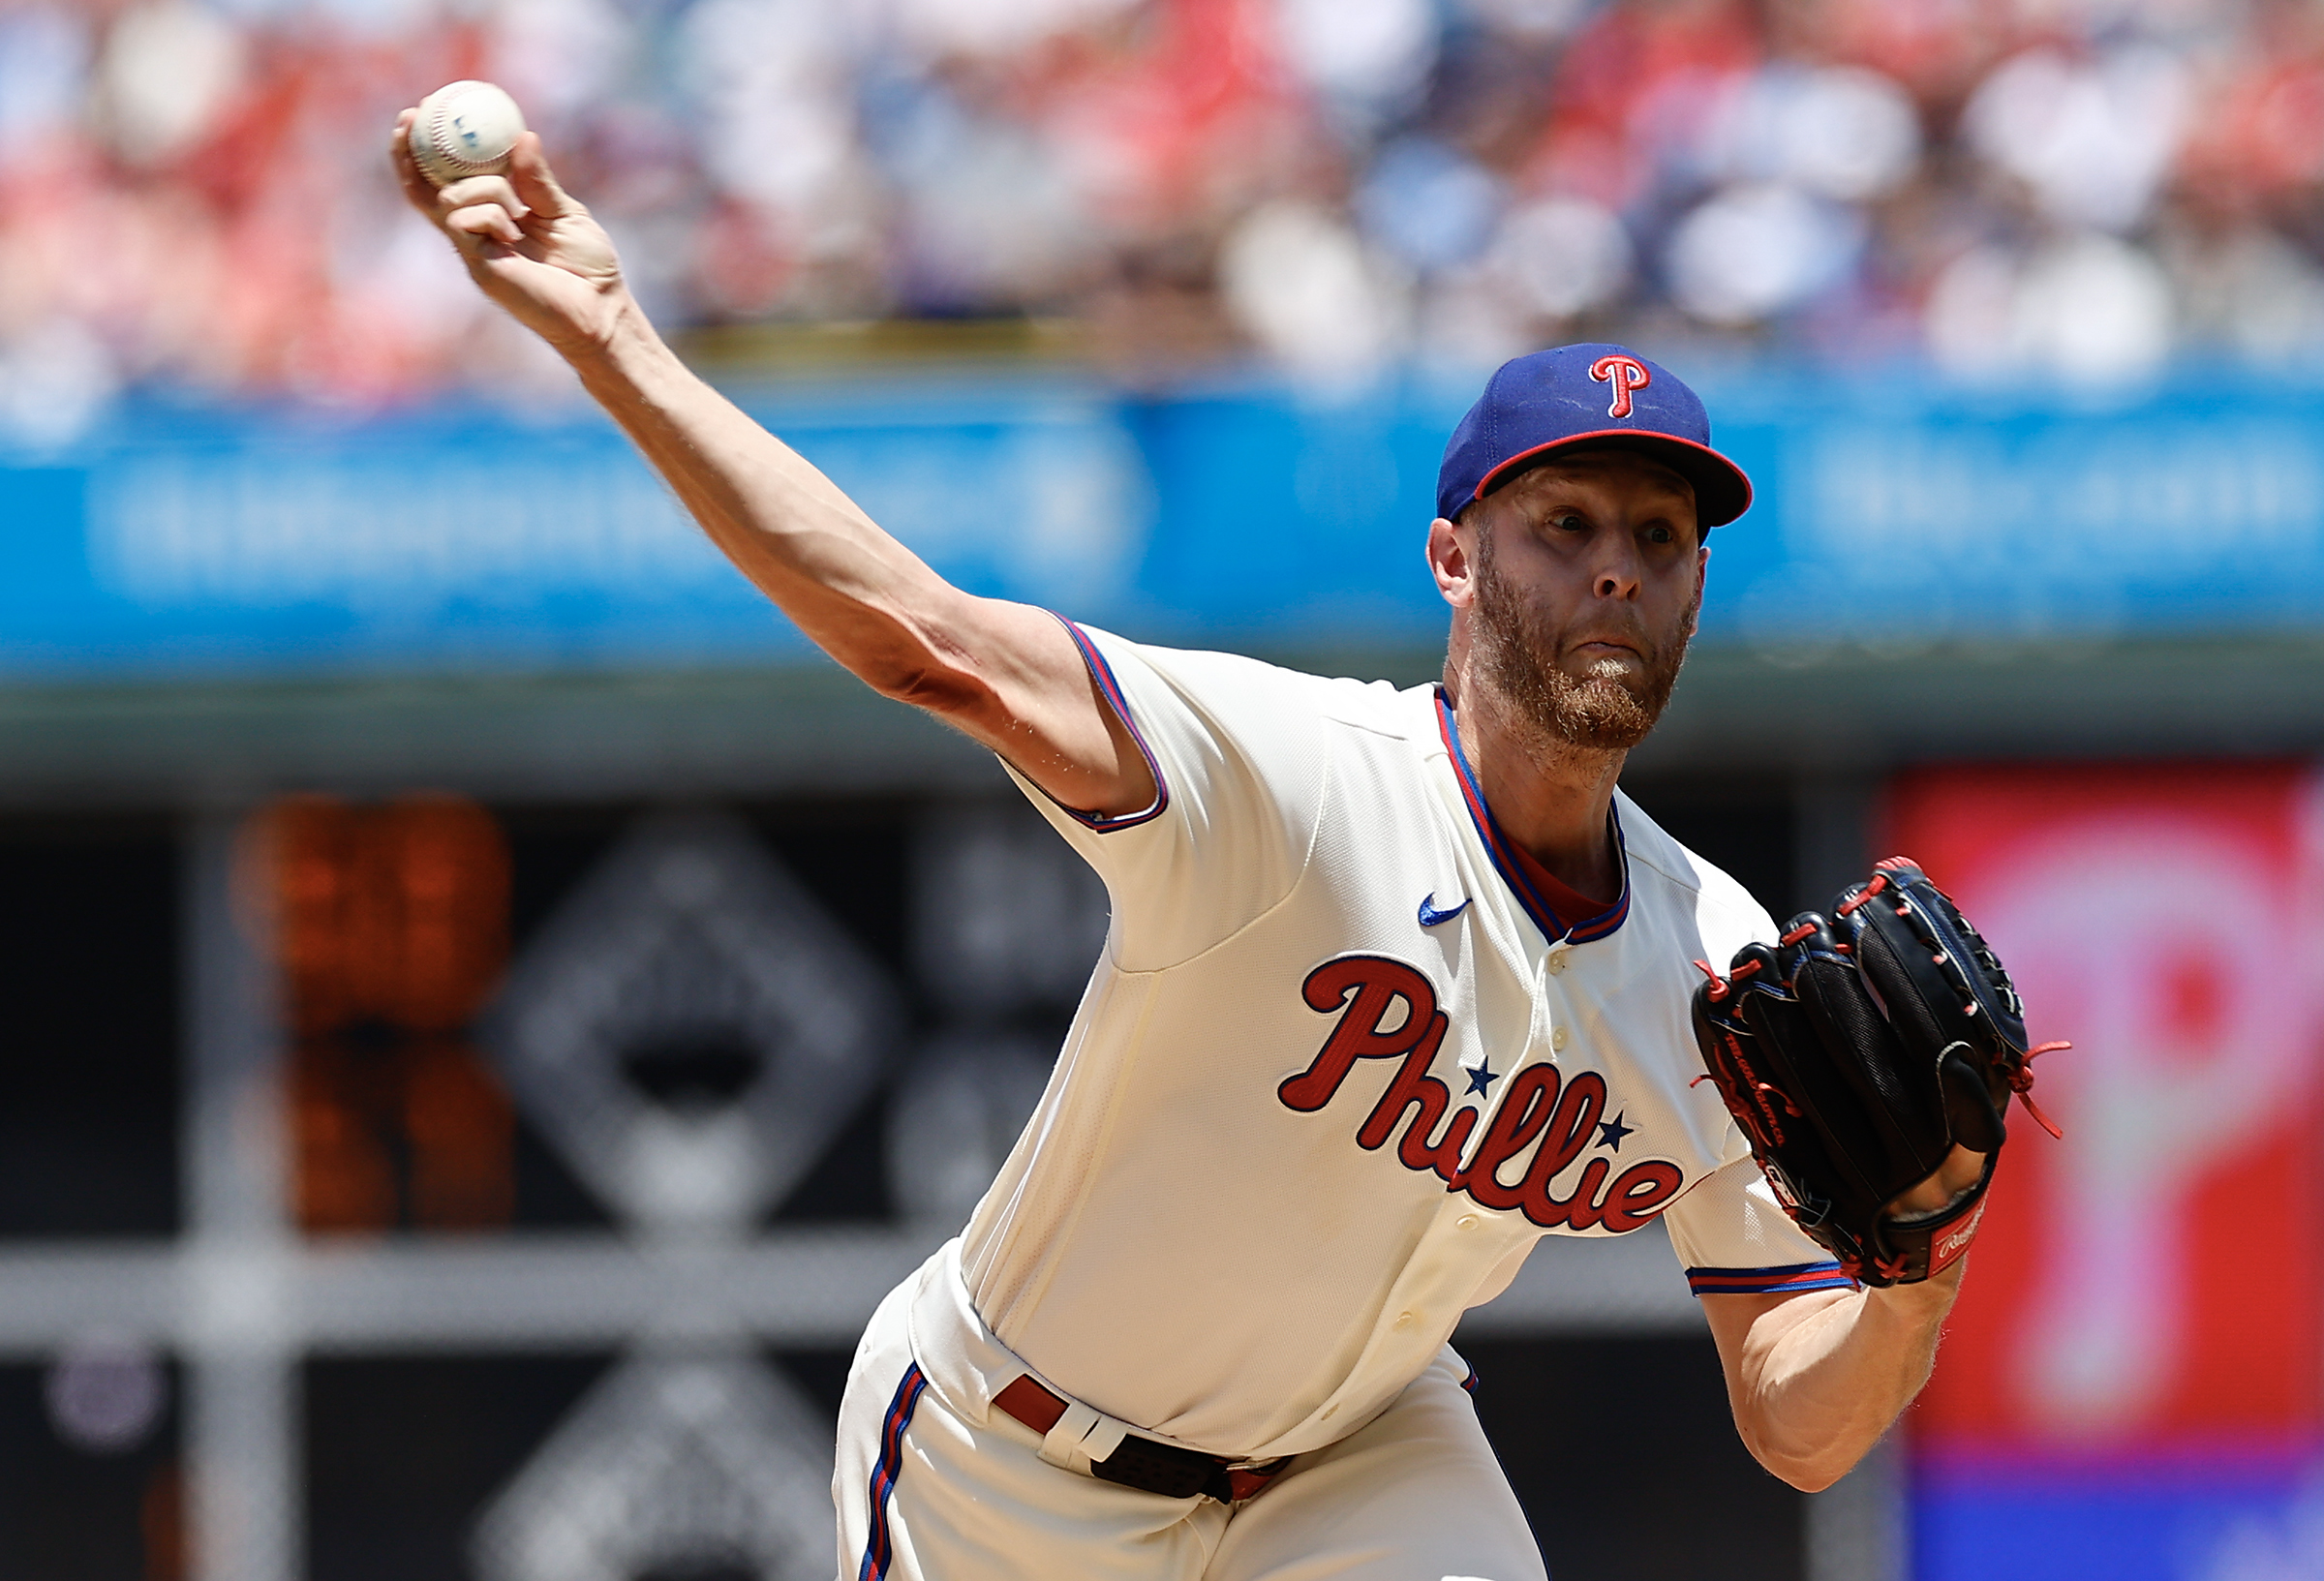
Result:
pixel 1390 1013
pixel 1623 374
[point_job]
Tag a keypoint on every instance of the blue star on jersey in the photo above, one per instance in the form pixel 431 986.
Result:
pixel 1481 1079
pixel 1611 1132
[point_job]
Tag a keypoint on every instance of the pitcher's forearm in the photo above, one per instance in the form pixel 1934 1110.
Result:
pixel 1817 1393
pixel 1004 672
pixel 854 591
pixel 1007 675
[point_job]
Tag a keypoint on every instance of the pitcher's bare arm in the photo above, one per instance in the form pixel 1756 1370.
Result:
pixel 1005 673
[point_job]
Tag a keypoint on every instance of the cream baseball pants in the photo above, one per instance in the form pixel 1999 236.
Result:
pixel 925 1493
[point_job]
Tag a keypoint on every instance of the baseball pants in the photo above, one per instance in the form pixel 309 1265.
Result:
pixel 924 1494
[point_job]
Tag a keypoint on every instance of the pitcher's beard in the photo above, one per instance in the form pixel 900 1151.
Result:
pixel 1605 711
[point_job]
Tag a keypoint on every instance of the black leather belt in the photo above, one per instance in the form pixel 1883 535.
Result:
pixel 1146 1464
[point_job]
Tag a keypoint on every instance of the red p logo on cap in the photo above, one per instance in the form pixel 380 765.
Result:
pixel 1623 374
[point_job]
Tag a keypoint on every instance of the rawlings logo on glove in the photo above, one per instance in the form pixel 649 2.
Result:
pixel 1856 1053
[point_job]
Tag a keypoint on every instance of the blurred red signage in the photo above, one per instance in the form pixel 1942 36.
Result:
pixel 2153 1281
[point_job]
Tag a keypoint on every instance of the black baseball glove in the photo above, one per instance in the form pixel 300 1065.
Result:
pixel 1856 1053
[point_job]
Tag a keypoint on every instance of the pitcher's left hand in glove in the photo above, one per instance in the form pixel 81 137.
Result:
pixel 1856 1053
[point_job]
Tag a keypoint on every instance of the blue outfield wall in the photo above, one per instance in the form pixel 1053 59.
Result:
pixel 180 543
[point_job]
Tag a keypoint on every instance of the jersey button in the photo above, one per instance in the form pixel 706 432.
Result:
pixel 1557 1038
pixel 1405 1320
pixel 1467 1221
pixel 1557 962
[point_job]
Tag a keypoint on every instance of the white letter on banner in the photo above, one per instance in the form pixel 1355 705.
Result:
pixel 2187 1048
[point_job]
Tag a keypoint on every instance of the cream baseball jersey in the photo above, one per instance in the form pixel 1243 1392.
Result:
pixel 1342 1065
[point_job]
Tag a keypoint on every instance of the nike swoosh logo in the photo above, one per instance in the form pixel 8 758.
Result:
pixel 1430 916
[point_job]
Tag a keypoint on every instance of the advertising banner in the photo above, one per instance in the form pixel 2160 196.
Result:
pixel 2131 1378
pixel 181 543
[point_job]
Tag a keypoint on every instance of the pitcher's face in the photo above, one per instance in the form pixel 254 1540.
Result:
pixel 1587 582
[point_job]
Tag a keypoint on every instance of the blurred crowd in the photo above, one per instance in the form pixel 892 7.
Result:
pixel 193 194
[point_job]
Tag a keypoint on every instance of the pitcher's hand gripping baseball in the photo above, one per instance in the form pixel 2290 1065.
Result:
pixel 1857 1053
pixel 525 241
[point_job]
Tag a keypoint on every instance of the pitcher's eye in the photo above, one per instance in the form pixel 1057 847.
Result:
pixel 1569 521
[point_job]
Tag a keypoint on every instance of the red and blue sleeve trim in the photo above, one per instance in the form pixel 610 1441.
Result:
pixel 879 1544
pixel 1103 674
pixel 1792 1279
pixel 1504 855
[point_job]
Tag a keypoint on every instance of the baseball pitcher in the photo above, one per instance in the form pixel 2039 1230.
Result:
pixel 1397 984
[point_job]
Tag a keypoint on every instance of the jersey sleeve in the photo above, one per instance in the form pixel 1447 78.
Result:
pixel 1733 1238
pixel 1238 750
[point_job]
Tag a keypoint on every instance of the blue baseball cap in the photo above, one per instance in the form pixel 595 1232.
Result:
pixel 1595 397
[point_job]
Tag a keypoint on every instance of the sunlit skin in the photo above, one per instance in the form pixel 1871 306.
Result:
pixel 1004 674
pixel 1603 549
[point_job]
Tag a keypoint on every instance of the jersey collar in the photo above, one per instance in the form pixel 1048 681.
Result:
pixel 1504 852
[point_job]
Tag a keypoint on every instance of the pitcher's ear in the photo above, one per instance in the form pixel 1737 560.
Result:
pixel 1450 562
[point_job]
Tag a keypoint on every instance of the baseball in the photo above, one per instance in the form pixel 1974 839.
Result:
pixel 465 129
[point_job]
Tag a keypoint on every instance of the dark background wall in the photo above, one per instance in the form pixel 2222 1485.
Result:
pixel 403 1451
